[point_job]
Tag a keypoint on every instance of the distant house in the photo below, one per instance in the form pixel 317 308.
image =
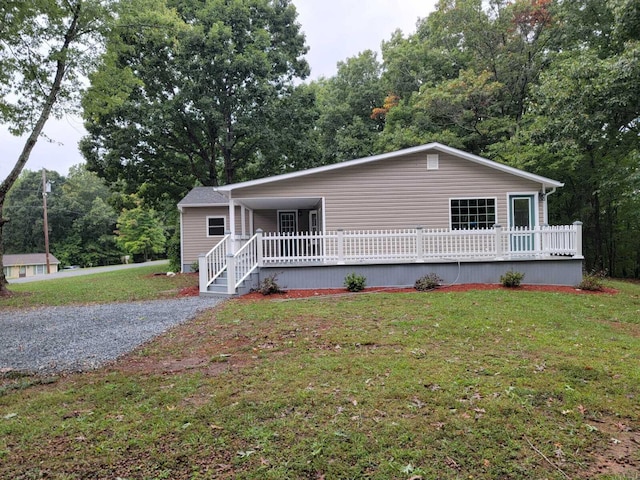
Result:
pixel 28 265
pixel 395 216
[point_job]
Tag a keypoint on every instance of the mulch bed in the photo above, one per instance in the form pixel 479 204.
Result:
pixel 290 294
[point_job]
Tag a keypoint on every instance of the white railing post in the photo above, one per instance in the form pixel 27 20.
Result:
pixel 578 226
pixel 231 274
pixel 498 231
pixel 419 244
pixel 259 248
pixel 203 272
pixel 537 240
pixel 340 246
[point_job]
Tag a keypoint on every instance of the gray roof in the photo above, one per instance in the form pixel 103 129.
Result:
pixel 203 197
pixel 28 259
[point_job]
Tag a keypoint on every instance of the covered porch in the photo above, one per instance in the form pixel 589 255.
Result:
pixel 552 254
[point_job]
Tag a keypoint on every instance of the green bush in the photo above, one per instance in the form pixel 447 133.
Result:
pixel 593 281
pixel 354 282
pixel 195 266
pixel 269 285
pixel 428 282
pixel 511 279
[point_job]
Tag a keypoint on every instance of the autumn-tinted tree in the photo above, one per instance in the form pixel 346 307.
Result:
pixel 188 97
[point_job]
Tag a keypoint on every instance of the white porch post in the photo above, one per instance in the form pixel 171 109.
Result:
pixel 203 272
pixel 231 274
pixel 232 225
pixel 243 221
pixel 498 231
pixel 259 248
pixel 419 244
pixel 340 246
pixel 578 226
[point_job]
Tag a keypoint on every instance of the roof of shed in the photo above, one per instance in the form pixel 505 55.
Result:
pixel 28 259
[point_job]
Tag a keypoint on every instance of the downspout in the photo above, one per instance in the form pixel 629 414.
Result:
pixel 545 209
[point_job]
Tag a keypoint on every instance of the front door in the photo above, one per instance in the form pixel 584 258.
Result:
pixel 522 217
pixel 288 225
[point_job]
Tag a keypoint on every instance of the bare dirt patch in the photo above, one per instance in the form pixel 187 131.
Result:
pixel 621 456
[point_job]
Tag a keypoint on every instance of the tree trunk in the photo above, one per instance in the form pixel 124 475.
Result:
pixel 52 97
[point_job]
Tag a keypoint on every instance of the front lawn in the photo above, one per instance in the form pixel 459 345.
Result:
pixel 448 385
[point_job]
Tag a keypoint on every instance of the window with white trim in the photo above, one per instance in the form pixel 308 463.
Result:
pixel 216 226
pixel 473 213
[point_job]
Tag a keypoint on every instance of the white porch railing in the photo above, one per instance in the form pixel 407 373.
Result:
pixel 214 263
pixel 386 246
pixel 419 245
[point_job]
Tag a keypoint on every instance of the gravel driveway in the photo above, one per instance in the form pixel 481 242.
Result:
pixel 76 338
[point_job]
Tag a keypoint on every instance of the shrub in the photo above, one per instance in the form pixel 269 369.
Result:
pixel 511 279
pixel 430 281
pixel 195 266
pixel 269 285
pixel 592 281
pixel 354 282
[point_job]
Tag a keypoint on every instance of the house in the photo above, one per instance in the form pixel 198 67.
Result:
pixel 28 265
pixel 394 216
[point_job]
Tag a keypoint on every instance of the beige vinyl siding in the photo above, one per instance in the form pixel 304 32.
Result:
pixel 194 231
pixel 395 193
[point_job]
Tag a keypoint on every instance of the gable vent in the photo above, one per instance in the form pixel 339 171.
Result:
pixel 432 161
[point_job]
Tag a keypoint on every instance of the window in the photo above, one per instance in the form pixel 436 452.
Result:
pixel 215 226
pixel 473 213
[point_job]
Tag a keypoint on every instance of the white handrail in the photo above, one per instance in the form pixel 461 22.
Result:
pixel 214 263
pixel 243 262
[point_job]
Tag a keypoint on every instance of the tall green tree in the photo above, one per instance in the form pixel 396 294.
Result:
pixel 585 127
pixel 346 101
pixel 45 46
pixel 190 97
pixel 140 232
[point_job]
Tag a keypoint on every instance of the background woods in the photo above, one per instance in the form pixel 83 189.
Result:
pixel 209 92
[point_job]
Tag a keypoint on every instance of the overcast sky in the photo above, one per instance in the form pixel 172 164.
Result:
pixel 335 30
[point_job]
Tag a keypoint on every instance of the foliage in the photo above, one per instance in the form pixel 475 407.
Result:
pixel 81 220
pixel 193 96
pixel 428 282
pixel 592 281
pixel 269 285
pixel 140 232
pixel 511 279
pixel 45 47
pixel 299 390
pixel 354 282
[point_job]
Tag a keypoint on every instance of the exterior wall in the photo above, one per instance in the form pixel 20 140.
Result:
pixel 13 271
pixel 395 193
pixel 194 231
pixel 537 272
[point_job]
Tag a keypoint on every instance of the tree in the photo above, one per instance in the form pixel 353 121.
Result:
pixel 140 232
pixel 23 232
pixel 584 130
pixel 44 48
pixel 188 98
pixel 347 129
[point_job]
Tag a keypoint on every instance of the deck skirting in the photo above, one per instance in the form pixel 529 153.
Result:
pixel 550 271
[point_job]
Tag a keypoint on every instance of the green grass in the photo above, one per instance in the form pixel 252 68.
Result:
pixel 117 286
pixel 481 384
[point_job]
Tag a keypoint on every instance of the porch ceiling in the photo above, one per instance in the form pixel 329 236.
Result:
pixel 280 203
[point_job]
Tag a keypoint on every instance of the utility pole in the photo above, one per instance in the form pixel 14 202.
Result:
pixel 46 220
